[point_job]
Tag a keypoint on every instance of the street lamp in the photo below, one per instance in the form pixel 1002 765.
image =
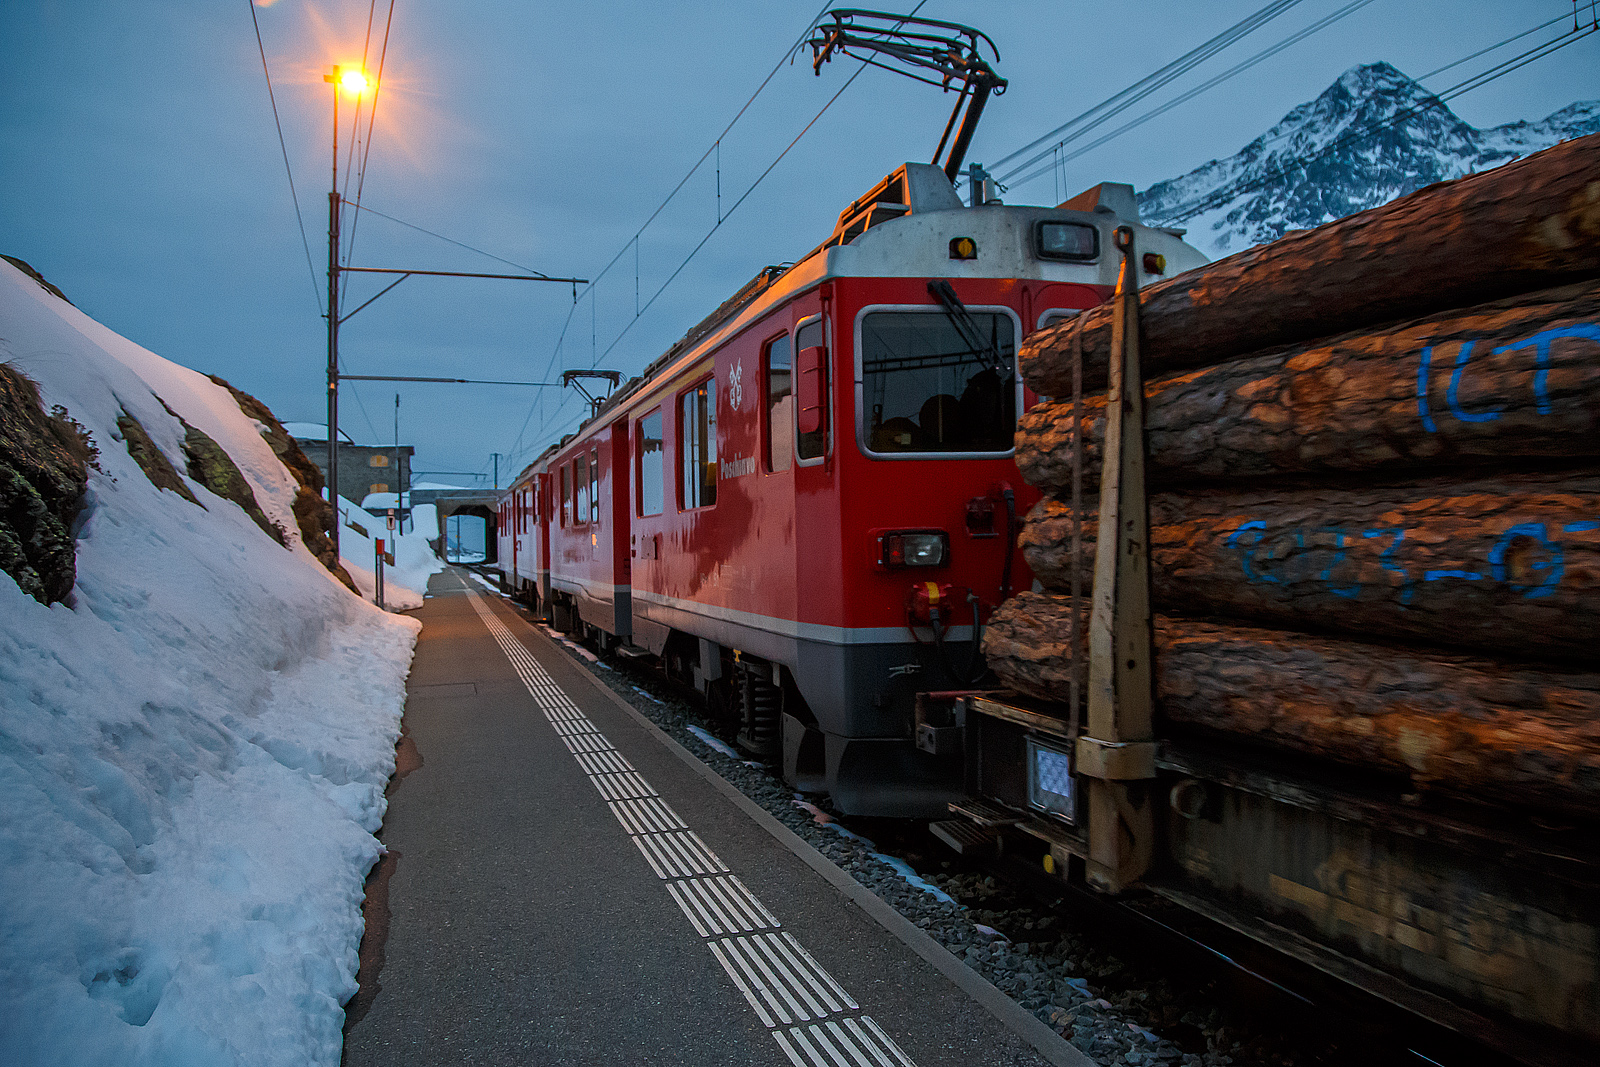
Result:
pixel 355 83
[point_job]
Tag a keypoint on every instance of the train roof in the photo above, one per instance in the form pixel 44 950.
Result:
pixel 920 202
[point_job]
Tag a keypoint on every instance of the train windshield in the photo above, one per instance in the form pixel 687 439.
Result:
pixel 926 387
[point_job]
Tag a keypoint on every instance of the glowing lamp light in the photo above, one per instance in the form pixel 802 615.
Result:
pixel 353 82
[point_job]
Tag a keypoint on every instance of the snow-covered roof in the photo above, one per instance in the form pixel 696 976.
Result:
pixel 313 431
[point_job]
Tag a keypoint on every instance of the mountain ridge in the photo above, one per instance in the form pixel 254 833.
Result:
pixel 1316 164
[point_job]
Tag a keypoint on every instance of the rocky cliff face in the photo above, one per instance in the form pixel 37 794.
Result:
pixel 1372 136
pixel 44 460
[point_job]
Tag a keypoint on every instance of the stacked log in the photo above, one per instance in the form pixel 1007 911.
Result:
pixel 1480 727
pixel 1504 566
pixel 1516 379
pixel 1374 452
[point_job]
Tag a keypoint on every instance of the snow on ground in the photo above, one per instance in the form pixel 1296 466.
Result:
pixel 414 560
pixel 192 754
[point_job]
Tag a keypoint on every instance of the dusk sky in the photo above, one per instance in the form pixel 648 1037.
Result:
pixel 142 171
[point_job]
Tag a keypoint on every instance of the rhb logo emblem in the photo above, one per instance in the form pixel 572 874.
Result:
pixel 736 387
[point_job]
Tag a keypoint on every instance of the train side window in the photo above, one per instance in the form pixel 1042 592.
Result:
pixel 780 404
pixel 594 486
pixel 811 385
pixel 580 480
pixel 652 478
pixel 1054 315
pixel 566 496
pixel 697 445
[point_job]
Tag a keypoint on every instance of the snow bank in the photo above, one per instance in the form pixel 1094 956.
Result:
pixel 414 560
pixel 192 754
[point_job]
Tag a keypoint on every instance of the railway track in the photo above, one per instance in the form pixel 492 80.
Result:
pixel 1132 983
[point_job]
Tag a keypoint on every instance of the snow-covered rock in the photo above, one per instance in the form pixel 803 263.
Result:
pixel 1264 190
pixel 193 747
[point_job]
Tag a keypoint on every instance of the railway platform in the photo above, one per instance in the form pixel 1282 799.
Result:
pixel 569 886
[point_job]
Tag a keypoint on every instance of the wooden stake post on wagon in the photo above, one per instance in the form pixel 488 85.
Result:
pixel 1117 752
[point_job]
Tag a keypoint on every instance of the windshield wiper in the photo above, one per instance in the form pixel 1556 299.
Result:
pixel 971 333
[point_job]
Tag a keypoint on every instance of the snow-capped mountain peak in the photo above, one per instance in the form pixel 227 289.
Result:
pixel 1371 136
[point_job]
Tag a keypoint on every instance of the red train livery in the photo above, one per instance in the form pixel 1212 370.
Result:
pixel 806 506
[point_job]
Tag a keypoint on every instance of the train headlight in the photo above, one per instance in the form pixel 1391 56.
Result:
pixel 915 548
pixel 1075 241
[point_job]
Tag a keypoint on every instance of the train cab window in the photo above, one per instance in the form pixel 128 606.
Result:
pixel 934 385
pixel 580 481
pixel 812 386
pixel 594 486
pixel 648 453
pixel 780 404
pixel 566 496
pixel 697 445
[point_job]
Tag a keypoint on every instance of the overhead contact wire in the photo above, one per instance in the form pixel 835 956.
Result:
pixel 709 233
pixel 1114 105
pixel 538 404
pixel 315 288
pixel 372 118
pixel 1063 157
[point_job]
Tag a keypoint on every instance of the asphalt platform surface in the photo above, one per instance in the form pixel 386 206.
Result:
pixel 570 887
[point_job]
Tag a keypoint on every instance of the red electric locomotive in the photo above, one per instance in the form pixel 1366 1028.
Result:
pixel 809 503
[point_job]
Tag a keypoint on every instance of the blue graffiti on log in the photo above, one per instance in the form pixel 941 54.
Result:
pixel 1551 565
pixel 1539 342
pixel 1525 560
pixel 1407 588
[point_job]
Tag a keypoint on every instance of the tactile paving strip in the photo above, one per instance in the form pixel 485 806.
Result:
pixel 813 1019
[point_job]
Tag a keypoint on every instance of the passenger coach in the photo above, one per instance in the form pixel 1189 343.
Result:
pixel 807 505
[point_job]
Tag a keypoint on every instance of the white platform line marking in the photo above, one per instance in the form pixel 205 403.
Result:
pixel 787 1044
pixel 730 918
pixel 690 907
pixel 868 1041
pixel 802 1037
pixel 782 982
pixel 778 1000
pixel 804 961
pixel 805 985
pixel 738 980
pixel 740 902
pixel 885 1043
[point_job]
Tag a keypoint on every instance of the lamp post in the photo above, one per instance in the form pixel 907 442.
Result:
pixel 351 81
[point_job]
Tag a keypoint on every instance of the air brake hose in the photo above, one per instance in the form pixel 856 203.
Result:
pixel 976 667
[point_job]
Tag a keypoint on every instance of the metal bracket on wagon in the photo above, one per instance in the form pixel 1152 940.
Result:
pixel 1115 761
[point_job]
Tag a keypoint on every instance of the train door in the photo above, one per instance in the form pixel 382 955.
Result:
pixel 618 528
pixel 541 542
pixel 647 525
